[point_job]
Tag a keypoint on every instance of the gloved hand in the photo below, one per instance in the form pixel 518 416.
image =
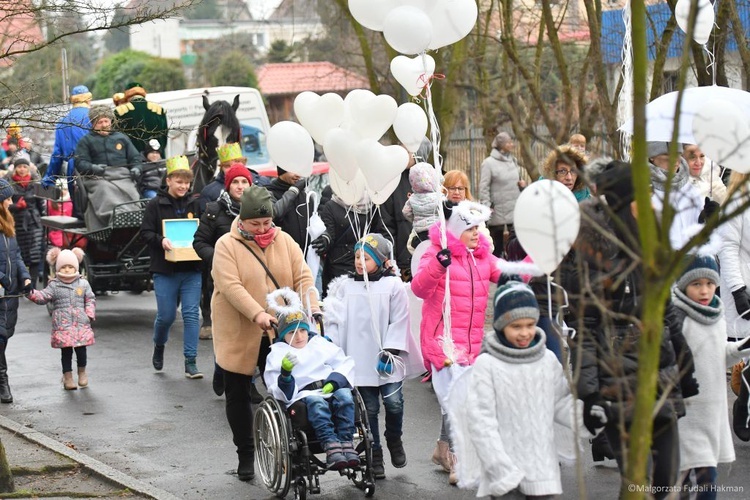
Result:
pixel 317 316
pixel 328 388
pixel 742 302
pixel 21 203
pixel 321 244
pixel 444 257
pixel 288 362
pixel 710 208
pixel 27 287
pixel 594 414
pixel 97 169
pixel 689 385
pixel 301 184
pixel 135 174
pixel 385 366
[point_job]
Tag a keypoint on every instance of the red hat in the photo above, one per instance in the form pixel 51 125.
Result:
pixel 236 170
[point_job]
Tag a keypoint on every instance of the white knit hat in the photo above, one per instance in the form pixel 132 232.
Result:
pixel 465 215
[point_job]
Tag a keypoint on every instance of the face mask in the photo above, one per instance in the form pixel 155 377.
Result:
pixel 265 239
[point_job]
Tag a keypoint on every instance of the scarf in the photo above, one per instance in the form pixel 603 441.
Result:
pixel 659 177
pixel 231 206
pixel 262 240
pixel 362 207
pixel 22 181
pixel 707 315
pixel 493 346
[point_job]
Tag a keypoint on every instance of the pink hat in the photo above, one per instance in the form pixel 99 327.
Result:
pixel 60 258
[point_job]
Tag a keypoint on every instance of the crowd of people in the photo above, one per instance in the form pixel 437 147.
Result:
pixel 251 292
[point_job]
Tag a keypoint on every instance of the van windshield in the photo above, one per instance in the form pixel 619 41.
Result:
pixel 254 146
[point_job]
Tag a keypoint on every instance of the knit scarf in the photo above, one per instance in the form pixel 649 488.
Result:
pixel 659 177
pixel 231 206
pixel 22 181
pixel 707 315
pixel 493 346
pixel 262 240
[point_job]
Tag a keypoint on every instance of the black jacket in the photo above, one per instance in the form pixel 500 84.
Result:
pixel 216 221
pixel 95 152
pixel 398 225
pixel 292 217
pixel 162 207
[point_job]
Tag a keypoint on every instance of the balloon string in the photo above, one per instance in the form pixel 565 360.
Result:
pixel 425 81
pixel 711 64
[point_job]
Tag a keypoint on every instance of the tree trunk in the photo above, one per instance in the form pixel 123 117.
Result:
pixel 6 476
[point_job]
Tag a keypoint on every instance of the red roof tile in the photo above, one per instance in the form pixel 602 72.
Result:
pixel 293 78
pixel 19 31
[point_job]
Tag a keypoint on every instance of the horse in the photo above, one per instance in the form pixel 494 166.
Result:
pixel 218 126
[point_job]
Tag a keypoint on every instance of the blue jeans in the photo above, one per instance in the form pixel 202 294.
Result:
pixel 185 286
pixel 393 400
pixel 705 477
pixel 332 418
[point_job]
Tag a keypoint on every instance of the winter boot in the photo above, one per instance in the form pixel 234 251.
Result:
pixel 246 468
pixel 191 369
pixel 398 455
pixel 452 476
pixel 335 458
pixel 158 358
pixel 5 395
pixel 600 449
pixel 740 418
pixel 83 378
pixel 352 457
pixel 218 381
pixel 378 469
pixel 440 456
pixel 68 382
pixel 206 333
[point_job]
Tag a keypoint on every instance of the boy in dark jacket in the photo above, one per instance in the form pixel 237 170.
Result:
pixel 174 282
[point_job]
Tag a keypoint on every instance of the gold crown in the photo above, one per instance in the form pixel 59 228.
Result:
pixel 176 163
pixel 229 151
pixel 294 317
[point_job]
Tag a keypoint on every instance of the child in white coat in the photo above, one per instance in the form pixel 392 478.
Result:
pixel 503 428
pixel 305 366
pixel 367 314
pixel 705 437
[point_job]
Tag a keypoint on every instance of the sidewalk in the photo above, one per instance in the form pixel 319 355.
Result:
pixel 43 467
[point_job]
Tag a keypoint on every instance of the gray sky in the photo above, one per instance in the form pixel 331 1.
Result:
pixel 261 9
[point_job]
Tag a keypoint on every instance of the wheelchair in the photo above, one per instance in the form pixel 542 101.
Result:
pixel 285 449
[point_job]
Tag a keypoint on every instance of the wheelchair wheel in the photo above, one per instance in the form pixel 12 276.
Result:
pixel 365 480
pixel 272 431
pixel 300 489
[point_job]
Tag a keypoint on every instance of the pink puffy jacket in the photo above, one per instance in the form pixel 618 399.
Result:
pixel 470 277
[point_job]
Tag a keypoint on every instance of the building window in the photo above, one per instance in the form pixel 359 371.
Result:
pixel 669 81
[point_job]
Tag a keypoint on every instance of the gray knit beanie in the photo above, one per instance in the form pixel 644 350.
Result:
pixel 514 300
pixel 702 266
pixel 376 246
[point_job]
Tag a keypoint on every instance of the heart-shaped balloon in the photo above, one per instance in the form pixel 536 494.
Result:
pixel 372 13
pixel 380 164
pixel 370 115
pixel 410 125
pixel 380 197
pixel 451 21
pixel 340 147
pixel 350 192
pixel 291 147
pixel 413 73
pixel 704 19
pixel 319 114
pixel 408 29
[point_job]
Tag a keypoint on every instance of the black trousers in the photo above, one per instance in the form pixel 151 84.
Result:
pixel 498 239
pixel 665 453
pixel 207 290
pixel 239 412
pixel 66 357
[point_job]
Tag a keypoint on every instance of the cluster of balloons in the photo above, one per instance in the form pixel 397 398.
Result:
pixel 704 19
pixel 722 131
pixel 349 129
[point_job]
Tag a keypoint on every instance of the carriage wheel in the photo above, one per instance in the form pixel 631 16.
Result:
pixel 271 432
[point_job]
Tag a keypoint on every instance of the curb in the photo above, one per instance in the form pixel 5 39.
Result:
pixel 93 465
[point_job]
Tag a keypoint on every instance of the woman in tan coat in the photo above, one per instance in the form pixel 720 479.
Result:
pixel 241 325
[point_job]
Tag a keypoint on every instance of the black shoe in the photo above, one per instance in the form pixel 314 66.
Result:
pixel 600 448
pixel 398 455
pixel 218 381
pixel 739 420
pixel 246 468
pixel 158 358
pixel 378 469
pixel 256 397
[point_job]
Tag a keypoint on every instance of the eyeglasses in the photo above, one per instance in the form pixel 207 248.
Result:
pixel 456 189
pixel 562 173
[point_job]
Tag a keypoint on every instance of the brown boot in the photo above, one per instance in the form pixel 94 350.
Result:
pixel 206 333
pixel 440 456
pixel 452 477
pixel 68 382
pixel 83 379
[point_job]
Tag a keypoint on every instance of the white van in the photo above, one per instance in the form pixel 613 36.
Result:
pixel 185 111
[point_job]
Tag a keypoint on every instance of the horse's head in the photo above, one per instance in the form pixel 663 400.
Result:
pixel 218 126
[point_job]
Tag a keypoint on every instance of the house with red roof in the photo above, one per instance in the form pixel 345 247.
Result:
pixel 280 83
pixel 19 30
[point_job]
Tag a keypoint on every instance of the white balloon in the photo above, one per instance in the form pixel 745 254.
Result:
pixel 351 192
pixel 417 256
pixel 413 73
pixel 369 115
pixel 410 125
pixel 380 164
pixel 408 29
pixel 319 114
pixel 704 19
pixel 451 21
pixel 371 13
pixel 380 196
pixel 340 147
pixel 723 133
pixel 291 148
pixel 546 219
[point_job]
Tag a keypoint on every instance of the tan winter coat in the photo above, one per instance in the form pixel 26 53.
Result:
pixel 240 288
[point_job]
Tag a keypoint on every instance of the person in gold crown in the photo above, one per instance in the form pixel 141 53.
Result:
pixel 140 119
pixel 174 282
pixel 229 154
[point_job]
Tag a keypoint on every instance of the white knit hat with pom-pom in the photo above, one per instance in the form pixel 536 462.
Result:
pixel 60 258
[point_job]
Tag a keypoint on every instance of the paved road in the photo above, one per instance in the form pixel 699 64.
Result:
pixel 172 433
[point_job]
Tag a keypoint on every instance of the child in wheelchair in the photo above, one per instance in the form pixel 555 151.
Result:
pixel 305 366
